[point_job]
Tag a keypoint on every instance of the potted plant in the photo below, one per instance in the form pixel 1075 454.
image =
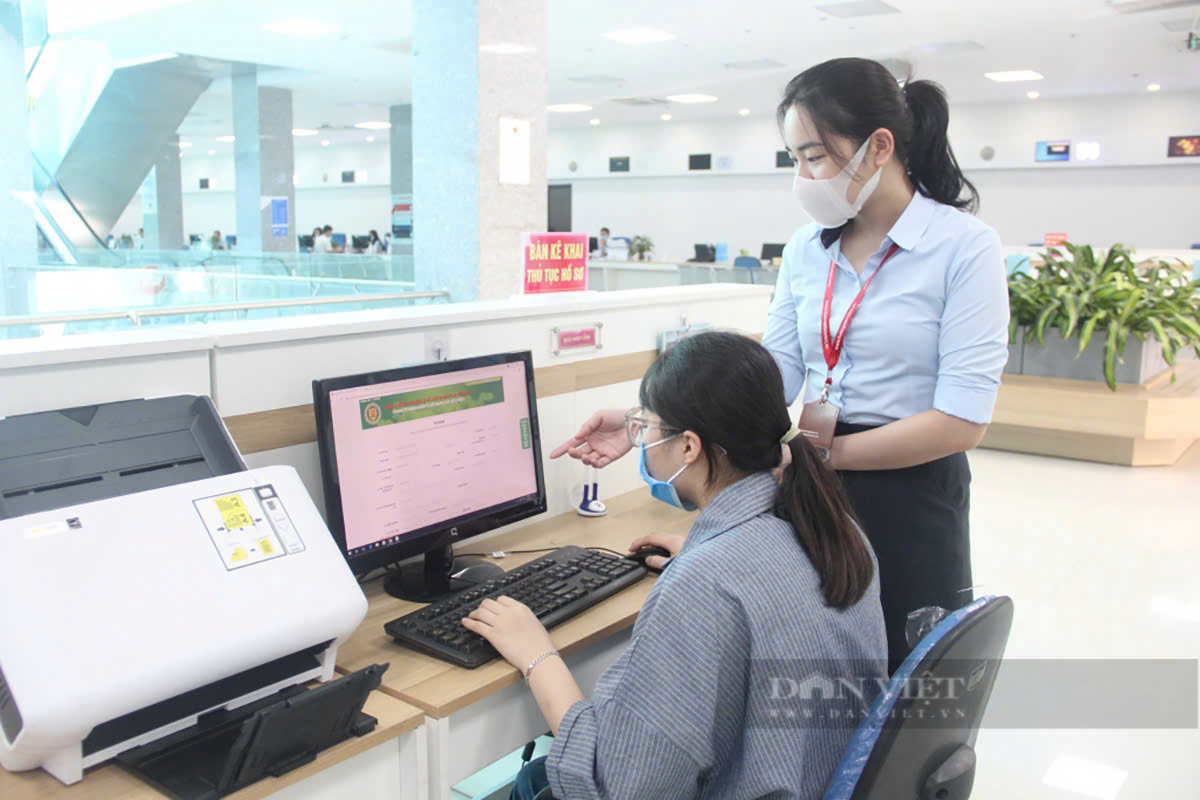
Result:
pixel 641 247
pixel 1100 301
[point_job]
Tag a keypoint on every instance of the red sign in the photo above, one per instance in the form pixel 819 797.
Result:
pixel 1054 239
pixel 571 340
pixel 555 262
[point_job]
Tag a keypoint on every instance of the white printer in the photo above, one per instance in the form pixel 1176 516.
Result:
pixel 123 620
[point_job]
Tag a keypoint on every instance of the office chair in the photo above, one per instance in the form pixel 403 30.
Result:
pixel 908 758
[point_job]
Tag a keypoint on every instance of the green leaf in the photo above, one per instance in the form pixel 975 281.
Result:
pixel 1187 326
pixel 1168 346
pixel 1072 317
pixel 1013 324
pixel 1085 336
pixel 1110 357
pixel 1043 318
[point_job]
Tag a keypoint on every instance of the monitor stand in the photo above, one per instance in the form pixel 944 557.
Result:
pixel 438 575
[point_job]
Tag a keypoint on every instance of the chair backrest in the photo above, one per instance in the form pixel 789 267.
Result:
pixel 747 261
pixel 912 747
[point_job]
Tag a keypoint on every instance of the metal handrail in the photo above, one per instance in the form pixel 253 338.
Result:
pixel 136 316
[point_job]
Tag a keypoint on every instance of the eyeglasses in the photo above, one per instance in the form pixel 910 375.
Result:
pixel 636 423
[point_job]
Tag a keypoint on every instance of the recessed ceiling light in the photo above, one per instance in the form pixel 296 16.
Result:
pixel 665 117
pixel 691 98
pixel 1034 95
pixel 324 143
pixel 506 49
pixel 1152 87
pixel 568 108
pixel 304 132
pixel 1086 777
pixel 301 28
pixel 370 138
pixel 373 126
pixel 212 152
pixel 639 36
pixel 184 145
pixel 743 112
pixel 225 138
pixel 593 122
pixel 857 8
pixel 1012 76
pixel 133 62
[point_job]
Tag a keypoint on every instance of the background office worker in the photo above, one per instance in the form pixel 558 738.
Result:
pixel 773 581
pixel 916 380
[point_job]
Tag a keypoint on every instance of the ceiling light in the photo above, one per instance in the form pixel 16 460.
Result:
pixel 1152 87
pixel 743 112
pixel 373 126
pixel 133 62
pixel 665 117
pixel 593 122
pixel 370 138
pixel 324 143
pixel 691 98
pixel 212 152
pixel 1034 95
pixel 304 132
pixel 1013 76
pixel 184 145
pixel 568 108
pixel 857 8
pixel 639 36
pixel 506 49
pixel 301 28
pixel 1086 777
pixel 225 138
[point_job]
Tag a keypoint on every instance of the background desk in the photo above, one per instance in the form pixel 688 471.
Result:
pixel 388 762
pixel 474 717
pixel 606 275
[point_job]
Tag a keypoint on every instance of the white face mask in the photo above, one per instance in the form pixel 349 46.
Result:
pixel 825 199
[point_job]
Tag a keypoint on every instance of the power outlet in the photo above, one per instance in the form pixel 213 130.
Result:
pixel 437 346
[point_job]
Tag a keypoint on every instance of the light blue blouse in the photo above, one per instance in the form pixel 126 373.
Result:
pixel 932 330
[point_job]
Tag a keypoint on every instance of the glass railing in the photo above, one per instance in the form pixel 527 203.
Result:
pixel 56 300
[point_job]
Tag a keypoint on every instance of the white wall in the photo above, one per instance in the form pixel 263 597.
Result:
pixel 1132 194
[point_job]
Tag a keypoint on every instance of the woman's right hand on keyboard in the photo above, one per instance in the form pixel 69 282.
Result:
pixel 601 440
pixel 669 541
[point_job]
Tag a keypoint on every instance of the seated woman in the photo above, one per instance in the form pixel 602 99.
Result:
pixel 774 584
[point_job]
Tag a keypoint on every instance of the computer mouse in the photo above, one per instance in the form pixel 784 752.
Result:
pixel 639 557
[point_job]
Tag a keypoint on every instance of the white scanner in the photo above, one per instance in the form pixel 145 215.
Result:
pixel 124 620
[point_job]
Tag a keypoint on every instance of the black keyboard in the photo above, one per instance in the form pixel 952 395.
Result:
pixel 556 587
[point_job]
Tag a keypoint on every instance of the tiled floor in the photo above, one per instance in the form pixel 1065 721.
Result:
pixel 1102 562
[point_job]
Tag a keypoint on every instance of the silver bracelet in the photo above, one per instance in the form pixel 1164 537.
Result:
pixel 538 660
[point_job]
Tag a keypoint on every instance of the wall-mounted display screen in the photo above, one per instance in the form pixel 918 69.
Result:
pixel 700 161
pixel 618 164
pixel 783 159
pixel 1053 151
pixel 1183 147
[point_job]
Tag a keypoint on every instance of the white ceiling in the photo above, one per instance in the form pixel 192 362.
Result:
pixel 1083 47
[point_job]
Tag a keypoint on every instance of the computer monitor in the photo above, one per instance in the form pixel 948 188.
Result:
pixel 772 251
pixel 417 458
pixel 338 239
pixel 231 241
pixel 705 253
pixel 593 244
pixel 306 241
pixel 361 242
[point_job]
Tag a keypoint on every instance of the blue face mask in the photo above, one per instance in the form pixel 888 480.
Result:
pixel 664 490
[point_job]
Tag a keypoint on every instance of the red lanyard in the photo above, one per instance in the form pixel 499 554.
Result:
pixel 833 347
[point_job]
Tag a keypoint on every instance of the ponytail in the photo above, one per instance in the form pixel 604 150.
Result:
pixel 812 498
pixel 931 163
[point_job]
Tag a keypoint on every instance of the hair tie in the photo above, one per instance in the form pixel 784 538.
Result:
pixel 792 433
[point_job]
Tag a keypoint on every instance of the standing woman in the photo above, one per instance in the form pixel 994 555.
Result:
pixel 894 306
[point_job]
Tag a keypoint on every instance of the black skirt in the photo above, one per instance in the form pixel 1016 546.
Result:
pixel 917 519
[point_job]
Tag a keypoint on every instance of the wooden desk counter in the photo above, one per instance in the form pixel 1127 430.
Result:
pixel 440 688
pixel 110 782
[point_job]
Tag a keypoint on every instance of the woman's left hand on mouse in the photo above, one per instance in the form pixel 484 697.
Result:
pixel 512 628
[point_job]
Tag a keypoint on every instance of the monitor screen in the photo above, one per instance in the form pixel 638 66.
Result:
pixel 410 453
pixel 772 251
